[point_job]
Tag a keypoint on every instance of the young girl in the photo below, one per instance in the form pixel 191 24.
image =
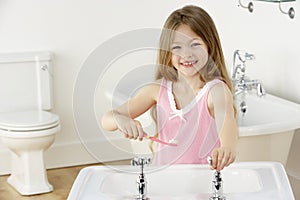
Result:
pixel 191 97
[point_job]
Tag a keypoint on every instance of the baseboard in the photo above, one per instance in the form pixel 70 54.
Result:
pixel 72 154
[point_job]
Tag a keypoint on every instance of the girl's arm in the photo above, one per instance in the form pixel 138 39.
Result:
pixel 122 118
pixel 221 107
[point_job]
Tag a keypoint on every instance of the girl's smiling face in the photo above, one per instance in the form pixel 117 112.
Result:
pixel 189 52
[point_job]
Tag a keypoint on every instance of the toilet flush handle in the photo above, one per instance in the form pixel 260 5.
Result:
pixel 44 67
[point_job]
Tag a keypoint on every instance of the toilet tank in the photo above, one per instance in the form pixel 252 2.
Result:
pixel 25 81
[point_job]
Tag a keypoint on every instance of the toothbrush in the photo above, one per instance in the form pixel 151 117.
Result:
pixel 173 143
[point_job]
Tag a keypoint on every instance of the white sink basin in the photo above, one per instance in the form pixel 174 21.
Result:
pixel 266 115
pixel 245 180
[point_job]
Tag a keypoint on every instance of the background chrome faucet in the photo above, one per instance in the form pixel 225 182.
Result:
pixel 141 182
pixel 240 82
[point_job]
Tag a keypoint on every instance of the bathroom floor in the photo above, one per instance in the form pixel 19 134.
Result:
pixel 62 180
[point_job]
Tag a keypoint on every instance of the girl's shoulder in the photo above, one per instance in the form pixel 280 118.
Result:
pixel 219 91
pixel 219 86
pixel 219 94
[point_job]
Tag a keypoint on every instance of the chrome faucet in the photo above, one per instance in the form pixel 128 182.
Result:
pixel 240 82
pixel 141 182
pixel 217 185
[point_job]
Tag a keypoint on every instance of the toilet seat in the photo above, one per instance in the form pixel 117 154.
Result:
pixel 28 121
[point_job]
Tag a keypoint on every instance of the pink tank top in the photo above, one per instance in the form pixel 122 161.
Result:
pixel 193 127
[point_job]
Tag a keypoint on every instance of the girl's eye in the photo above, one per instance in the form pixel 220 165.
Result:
pixel 195 44
pixel 175 47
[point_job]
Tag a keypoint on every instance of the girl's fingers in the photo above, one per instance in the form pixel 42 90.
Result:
pixel 140 133
pixel 220 159
pixel 125 133
pixel 231 159
pixel 133 131
pixel 225 160
pixel 214 159
pixel 129 133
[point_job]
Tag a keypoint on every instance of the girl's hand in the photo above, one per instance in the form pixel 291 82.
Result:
pixel 131 129
pixel 222 157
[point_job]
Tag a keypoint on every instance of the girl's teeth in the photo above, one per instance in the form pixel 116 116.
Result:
pixel 188 63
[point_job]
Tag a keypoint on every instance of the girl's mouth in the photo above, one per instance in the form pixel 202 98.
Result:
pixel 188 63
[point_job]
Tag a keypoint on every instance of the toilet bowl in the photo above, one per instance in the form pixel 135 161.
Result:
pixel 28 134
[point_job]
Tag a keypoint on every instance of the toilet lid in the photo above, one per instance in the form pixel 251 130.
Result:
pixel 28 120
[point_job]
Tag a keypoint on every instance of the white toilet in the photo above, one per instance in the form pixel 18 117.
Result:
pixel 27 127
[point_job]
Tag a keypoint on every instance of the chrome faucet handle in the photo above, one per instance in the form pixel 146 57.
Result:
pixel 260 90
pixel 137 161
pixel 244 56
pixel 140 161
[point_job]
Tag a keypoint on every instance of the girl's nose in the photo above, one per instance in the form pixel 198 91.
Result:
pixel 186 53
